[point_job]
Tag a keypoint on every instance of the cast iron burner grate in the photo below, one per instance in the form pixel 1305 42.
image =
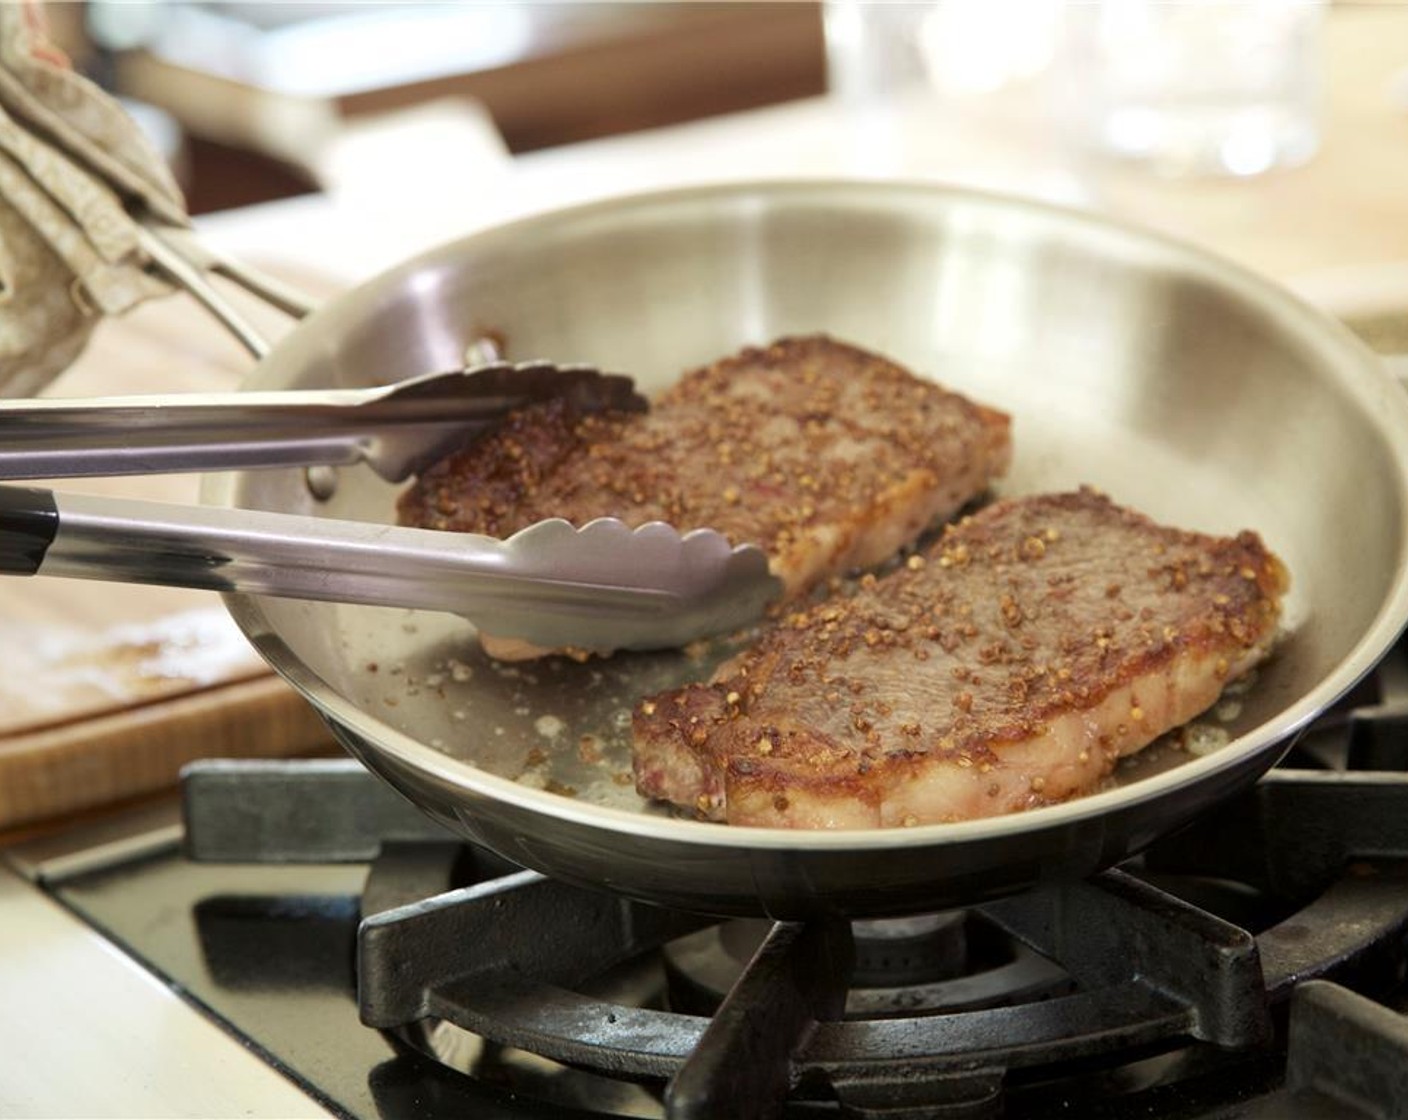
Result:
pixel 1191 981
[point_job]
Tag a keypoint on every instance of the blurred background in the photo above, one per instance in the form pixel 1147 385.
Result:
pixel 1128 106
pixel 256 101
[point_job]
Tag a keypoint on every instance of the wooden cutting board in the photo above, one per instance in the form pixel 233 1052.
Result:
pixel 109 689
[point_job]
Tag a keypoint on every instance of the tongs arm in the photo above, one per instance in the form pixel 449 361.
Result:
pixel 397 430
pixel 552 584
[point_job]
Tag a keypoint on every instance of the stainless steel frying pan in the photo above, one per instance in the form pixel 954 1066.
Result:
pixel 1180 384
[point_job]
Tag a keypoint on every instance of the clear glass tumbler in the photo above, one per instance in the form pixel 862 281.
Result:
pixel 1206 87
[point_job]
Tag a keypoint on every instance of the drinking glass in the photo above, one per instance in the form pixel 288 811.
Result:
pixel 1220 87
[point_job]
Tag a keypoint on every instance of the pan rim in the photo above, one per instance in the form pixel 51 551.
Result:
pixel 1359 371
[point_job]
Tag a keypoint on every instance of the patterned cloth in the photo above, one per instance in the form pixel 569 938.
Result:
pixel 74 170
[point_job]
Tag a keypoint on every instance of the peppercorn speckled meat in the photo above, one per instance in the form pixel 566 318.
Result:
pixel 1008 666
pixel 829 457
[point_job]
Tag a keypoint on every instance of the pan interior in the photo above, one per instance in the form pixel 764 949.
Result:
pixel 1177 385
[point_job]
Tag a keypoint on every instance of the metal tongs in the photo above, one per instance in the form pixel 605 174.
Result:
pixel 600 586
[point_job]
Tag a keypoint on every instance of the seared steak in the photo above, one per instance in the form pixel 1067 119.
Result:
pixel 1010 665
pixel 829 457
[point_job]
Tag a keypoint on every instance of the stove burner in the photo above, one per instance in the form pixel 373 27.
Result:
pixel 1191 976
pixel 903 952
pixel 1138 968
pixel 927 964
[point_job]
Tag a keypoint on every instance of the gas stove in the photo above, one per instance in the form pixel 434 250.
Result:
pixel 1250 966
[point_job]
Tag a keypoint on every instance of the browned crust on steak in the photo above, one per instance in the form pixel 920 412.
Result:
pixel 829 457
pixel 1011 665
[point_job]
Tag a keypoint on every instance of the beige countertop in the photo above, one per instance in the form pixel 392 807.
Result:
pixel 1335 228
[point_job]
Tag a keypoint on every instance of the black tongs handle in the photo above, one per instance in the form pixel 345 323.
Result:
pixel 29 522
